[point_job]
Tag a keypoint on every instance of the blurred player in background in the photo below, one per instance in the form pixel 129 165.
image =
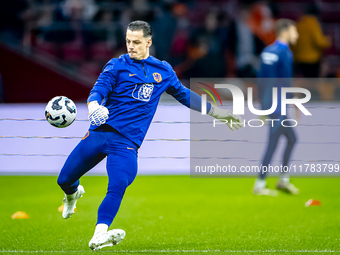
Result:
pixel 276 71
pixel 121 106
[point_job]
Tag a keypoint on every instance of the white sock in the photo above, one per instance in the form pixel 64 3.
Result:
pixel 284 178
pixel 101 228
pixel 260 183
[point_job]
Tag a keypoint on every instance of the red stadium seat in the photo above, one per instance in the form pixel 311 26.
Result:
pixel 100 51
pixel 47 48
pixel 90 69
pixel 73 51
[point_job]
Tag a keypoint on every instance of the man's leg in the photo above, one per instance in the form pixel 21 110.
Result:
pixel 291 141
pixel 284 183
pixel 122 170
pixel 260 183
pixel 85 156
pixel 274 135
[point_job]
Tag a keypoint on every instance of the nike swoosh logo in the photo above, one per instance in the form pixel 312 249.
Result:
pixel 132 74
pixel 130 148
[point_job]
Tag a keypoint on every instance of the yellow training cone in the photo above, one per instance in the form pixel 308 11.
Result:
pixel 20 215
pixel 61 208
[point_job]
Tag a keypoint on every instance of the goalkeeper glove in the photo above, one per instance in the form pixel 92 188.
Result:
pixel 98 114
pixel 232 121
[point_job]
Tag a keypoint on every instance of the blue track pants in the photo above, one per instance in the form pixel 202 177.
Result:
pixel 121 167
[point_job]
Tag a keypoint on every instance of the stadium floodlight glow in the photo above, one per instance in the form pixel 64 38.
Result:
pixel 238 100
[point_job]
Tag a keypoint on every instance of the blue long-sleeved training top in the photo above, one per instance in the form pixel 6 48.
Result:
pixel 131 89
pixel 276 70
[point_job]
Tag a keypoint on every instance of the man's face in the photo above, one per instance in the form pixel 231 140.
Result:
pixel 293 34
pixel 137 45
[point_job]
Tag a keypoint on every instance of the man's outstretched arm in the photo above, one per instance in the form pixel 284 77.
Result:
pixel 193 101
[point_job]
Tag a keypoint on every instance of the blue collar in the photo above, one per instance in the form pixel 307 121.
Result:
pixel 282 43
pixel 131 61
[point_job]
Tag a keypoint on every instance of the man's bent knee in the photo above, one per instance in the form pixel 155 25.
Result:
pixel 63 181
pixel 118 187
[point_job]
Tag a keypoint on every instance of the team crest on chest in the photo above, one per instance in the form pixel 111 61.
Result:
pixel 157 77
pixel 143 92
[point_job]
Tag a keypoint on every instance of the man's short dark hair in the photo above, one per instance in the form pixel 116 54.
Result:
pixel 140 25
pixel 283 24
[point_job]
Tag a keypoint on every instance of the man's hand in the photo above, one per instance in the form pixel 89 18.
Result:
pixel 232 121
pixel 98 114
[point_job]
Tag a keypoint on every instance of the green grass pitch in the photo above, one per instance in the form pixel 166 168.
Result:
pixel 173 215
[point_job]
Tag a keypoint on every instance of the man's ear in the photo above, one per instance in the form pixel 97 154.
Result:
pixel 149 42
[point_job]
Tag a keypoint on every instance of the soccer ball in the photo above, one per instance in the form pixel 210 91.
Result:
pixel 60 112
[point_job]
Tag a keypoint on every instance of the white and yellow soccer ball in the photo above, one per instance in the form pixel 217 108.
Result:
pixel 60 112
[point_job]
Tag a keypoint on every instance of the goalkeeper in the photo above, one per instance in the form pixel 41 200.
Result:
pixel 121 106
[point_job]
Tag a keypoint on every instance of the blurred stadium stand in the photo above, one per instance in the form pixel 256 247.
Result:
pixel 54 47
pixel 77 37
pixel 25 79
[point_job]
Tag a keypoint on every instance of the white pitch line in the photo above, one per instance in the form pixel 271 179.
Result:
pixel 178 251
